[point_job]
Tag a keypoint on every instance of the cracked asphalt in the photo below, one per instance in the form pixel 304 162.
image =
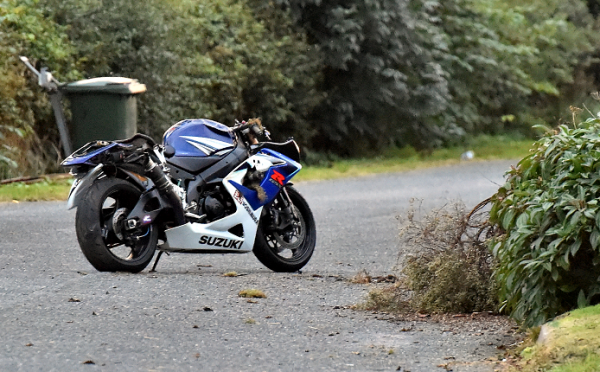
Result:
pixel 58 314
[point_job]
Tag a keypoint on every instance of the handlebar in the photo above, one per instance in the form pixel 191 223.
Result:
pixel 254 125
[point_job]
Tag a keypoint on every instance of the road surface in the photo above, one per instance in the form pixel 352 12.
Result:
pixel 58 314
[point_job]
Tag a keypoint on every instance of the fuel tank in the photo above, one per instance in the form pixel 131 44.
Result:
pixel 195 144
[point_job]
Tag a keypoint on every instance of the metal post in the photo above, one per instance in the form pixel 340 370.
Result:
pixel 55 100
pixel 51 85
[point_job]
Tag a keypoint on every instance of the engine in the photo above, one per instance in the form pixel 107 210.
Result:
pixel 214 204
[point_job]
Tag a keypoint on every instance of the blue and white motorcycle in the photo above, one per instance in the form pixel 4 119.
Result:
pixel 207 188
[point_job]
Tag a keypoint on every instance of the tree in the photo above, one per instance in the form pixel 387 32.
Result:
pixel 381 76
pixel 511 63
pixel 27 130
pixel 198 59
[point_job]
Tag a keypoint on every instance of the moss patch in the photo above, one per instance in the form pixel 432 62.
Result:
pixel 571 343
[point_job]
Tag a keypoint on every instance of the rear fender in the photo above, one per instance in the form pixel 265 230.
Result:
pixel 80 186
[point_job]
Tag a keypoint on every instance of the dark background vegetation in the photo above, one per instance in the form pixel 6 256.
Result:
pixel 346 78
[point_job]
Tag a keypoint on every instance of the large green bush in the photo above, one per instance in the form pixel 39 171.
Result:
pixel 28 138
pixel 427 73
pixel 549 253
pixel 210 59
pixel 512 63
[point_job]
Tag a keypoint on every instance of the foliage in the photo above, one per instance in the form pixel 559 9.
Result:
pixel 549 256
pixel 343 77
pixel 426 73
pixel 445 263
pixel 379 71
pixel 389 298
pixel 510 60
pixel 198 59
pixel 449 268
pixel 25 118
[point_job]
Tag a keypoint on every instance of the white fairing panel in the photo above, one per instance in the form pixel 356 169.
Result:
pixel 214 236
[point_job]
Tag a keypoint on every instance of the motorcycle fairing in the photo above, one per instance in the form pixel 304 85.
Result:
pixel 199 138
pixel 189 237
pixel 84 155
pixel 279 171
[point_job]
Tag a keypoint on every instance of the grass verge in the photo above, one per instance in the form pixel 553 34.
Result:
pixel 405 159
pixel 568 344
pixel 45 189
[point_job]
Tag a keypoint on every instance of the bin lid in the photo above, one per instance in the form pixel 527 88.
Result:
pixel 110 85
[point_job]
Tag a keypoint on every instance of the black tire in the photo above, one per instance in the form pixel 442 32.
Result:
pixel 290 248
pixel 99 225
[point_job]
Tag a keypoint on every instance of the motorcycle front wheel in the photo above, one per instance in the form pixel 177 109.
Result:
pixel 100 227
pixel 286 236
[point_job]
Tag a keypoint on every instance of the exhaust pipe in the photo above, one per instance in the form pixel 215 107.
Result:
pixel 166 189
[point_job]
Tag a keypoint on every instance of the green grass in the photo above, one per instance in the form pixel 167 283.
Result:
pixel 45 190
pixel 400 160
pixel 572 346
pixel 392 160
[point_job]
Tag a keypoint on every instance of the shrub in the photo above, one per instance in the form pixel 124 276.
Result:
pixel 28 135
pixel 210 59
pixel 548 255
pixel 446 264
pixel 451 269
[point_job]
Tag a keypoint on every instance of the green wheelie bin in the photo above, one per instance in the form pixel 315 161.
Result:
pixel 103 108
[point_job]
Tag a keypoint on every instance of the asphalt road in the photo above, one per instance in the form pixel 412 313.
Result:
pixel 58 314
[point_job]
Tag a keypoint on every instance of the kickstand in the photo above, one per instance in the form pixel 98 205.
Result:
pixel 156 261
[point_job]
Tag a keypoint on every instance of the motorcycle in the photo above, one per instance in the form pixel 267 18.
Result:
pixel 207 188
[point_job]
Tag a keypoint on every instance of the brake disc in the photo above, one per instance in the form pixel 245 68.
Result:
pixel 118 222
pixel 293 236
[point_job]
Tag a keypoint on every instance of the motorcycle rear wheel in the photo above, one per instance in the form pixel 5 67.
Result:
pixel 99 224
pixel 288 249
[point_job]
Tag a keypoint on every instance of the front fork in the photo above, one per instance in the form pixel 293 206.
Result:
pixel 283 217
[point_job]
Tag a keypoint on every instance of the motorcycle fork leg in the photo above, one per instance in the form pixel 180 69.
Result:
pixel 287 202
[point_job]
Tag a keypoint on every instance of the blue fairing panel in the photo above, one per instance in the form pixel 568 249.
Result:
pixel 85 156
pixel 198 138
pixel 275 178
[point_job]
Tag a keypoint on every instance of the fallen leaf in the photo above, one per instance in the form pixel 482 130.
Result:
pixel 29 344
pixel 252 293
